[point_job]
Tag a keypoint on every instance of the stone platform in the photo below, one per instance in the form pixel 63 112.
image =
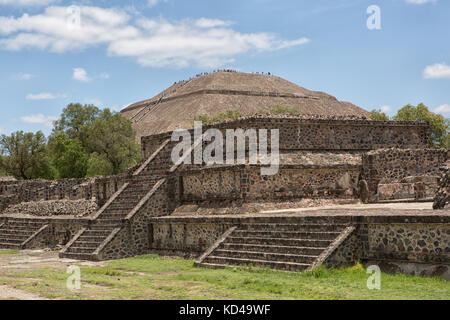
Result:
pixel 409 238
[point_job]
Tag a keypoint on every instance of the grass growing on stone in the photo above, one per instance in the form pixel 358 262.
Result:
pixel 5 252
pixel 153 277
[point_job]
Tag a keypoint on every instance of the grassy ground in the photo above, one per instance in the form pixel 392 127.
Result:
pixel 153 277
pixel 6 252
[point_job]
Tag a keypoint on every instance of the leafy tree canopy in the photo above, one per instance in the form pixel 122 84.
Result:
pixel 68 156
pixel 438 124
pixel 85 141
pixel 25 155
pixel 378 115
pixel 74 119
pixel 112 137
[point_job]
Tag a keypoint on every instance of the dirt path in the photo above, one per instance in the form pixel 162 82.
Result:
pixel 16 294
pixel 30 260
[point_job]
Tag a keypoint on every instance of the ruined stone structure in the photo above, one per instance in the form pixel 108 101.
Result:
pixel 212 212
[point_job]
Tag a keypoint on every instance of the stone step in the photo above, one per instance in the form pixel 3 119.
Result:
pixel 286 234
pixel 84 243
pixel 130 197
pixel 121 206
pixel 13 237
pixel 96 232
pixel 110 210
pixel 10 245
pixel 139 186
pixel 17 232
pixel 135 190
pixel 313 251
pixel 108 223
pixel 73 249
pixel 24 225
pixel 300 220
pixel 226 261
pixel 96 239
pixel 147 177
pixel 279 241
pixel 114 216
pixel 280 257
pixel 24 220
pixel 78 256
pixel 292 227
pixel 102 227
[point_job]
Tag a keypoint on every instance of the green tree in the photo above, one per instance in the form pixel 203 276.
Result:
pixel 99 166
pixel 68 156
pixel 74 119
pixel 25 155
pixel 438 124
pixel 112 137
pixel 378 115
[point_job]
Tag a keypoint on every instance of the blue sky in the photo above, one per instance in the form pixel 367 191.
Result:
pixel 112 53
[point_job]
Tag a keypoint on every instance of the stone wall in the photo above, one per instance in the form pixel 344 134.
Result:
pixel 98 190
pixel 77 208
pixel 133 238
pixel 291 182
pixel 414 244
pixel 323 134
pixel 59 230
pixel 403 173
pixel 442 198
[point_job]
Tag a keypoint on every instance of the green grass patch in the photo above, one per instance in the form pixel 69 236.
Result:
pixel 6 252
pixel 227 115
pixel 280 109
pixel 154 277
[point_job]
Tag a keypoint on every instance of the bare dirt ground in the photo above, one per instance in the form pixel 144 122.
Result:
pixel 389 207
pixel 8 293
pixel 32 259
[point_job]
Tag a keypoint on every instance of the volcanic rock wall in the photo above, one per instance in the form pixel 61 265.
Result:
pixel 56 197
pixel 322 134
pixel 442 198
pixel 403 173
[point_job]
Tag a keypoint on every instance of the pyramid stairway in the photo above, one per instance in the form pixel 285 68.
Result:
pixel 85 245
pixel 15 232
pixel 290 247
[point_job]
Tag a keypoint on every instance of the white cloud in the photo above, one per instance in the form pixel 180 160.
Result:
pixel 386 108
pixel 443 108
pixel 152 3
pixel 24 76
pixel 211 23
pixel 80 74
pixel 44 96
pixel 152 42
pixel 183 43
pixel 437 71
pixel 39 119
pixel 104 76
pixel 25 3
pixel 420 1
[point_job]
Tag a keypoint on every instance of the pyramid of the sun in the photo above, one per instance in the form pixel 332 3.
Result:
pixel 177 106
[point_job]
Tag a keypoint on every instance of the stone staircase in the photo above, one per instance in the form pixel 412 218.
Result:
pixel 290 247
pixel 15 232
pixel 110 219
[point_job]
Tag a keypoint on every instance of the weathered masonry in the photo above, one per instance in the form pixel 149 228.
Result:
pixel 212 212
